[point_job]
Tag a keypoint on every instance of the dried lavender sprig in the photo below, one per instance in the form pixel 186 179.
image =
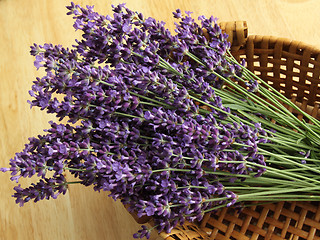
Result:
pixel 44 189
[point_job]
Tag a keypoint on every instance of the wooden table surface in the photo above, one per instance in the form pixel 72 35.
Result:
pixel 82 213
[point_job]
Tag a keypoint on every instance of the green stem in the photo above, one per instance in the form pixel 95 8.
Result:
pixel 75 169
pixel 280 157
pixel 287 175
pixel 252 196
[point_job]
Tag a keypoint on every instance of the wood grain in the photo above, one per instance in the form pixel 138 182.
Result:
pixel 83 213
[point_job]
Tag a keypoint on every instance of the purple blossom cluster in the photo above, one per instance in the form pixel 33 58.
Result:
pixel 131 95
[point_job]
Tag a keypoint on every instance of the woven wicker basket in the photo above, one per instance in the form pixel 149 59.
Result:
pixel 293 68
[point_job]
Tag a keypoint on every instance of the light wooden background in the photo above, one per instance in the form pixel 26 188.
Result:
pixel 82 213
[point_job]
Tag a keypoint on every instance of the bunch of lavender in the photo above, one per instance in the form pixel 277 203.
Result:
pixel 155 119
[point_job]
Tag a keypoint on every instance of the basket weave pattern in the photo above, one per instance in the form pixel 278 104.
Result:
pixel 293 68
pixel 284 220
